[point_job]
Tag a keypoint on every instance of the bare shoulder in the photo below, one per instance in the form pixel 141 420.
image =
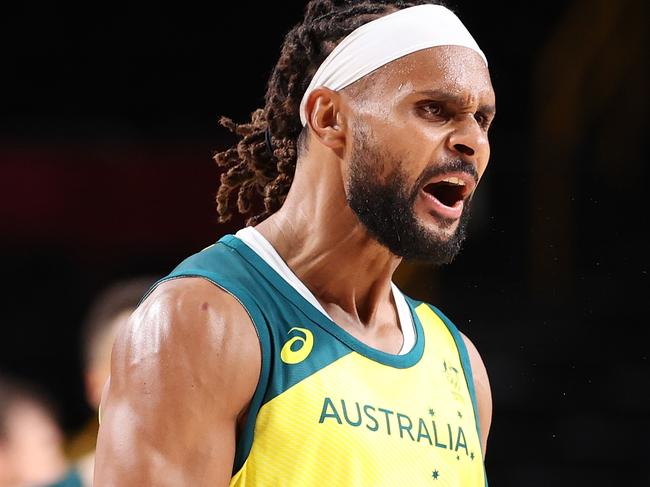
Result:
pixel 482 388
pixel 183 371
pixel 188 325
pixel 194 314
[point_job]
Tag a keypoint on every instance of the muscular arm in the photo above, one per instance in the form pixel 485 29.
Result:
pixel 482 389
pixel 182 373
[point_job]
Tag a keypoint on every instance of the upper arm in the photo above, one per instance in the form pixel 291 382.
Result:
pixel 182 372
pixel 482 389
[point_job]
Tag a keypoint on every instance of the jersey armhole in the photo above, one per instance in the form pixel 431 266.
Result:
pixel 464 360
pixel 467 369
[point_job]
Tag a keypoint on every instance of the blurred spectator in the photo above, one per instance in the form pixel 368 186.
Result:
pixel 110 310
pixel 31 443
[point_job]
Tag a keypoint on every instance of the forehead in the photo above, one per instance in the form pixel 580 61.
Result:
pixel 454 69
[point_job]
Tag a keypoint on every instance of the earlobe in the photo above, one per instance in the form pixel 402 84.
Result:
pixel 326 119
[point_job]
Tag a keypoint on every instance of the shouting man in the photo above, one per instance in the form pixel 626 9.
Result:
pixel 284 354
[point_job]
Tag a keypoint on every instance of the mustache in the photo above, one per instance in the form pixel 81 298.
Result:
pixel 449 165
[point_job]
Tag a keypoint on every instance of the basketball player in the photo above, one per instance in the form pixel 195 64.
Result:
pixel 284 355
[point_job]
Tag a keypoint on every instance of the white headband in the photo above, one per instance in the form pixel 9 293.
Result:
pixel 385 39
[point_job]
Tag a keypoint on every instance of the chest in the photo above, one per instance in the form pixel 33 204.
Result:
pixel 357 421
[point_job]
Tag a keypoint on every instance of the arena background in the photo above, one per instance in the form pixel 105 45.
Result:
pixel 108 120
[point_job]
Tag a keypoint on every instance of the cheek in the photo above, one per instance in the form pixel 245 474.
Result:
pixel 403 140
pixel 402 135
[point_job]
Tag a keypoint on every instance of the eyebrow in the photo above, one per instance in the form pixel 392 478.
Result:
pixel 442 95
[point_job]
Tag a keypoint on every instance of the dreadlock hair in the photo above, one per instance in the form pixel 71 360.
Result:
pixel 263 163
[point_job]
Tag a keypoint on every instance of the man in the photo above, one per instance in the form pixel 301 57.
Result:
pixel 284 355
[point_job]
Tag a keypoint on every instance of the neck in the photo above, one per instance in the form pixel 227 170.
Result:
pixel 325 245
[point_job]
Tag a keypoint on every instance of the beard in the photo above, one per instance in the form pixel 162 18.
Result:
pixel 384 204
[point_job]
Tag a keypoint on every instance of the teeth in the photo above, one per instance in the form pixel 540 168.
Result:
pixel 453 180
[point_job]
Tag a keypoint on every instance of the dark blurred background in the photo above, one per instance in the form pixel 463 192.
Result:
pixel 108 121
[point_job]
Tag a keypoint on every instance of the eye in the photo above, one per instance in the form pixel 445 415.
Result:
pixel 431 109
pixel 483 120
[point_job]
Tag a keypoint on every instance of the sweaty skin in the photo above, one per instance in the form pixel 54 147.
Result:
pixel 185 369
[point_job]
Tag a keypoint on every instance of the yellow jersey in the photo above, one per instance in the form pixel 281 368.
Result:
pixel 332 411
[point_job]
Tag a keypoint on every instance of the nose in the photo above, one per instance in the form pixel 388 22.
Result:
pixel 469 139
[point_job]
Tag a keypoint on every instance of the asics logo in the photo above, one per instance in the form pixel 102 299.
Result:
pixel 297 348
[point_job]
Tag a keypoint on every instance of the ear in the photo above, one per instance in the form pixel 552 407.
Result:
pixel 326 117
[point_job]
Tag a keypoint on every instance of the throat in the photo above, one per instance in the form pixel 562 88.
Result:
pixel 383 333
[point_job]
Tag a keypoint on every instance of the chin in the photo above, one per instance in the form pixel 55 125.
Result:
pixel 440 228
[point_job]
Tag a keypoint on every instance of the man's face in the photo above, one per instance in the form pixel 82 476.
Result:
pixel 419 148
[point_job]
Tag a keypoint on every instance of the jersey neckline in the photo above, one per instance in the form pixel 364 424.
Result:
pixel 406 360
pixel 262 247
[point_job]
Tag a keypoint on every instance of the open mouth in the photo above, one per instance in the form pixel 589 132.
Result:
pixel 448 191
